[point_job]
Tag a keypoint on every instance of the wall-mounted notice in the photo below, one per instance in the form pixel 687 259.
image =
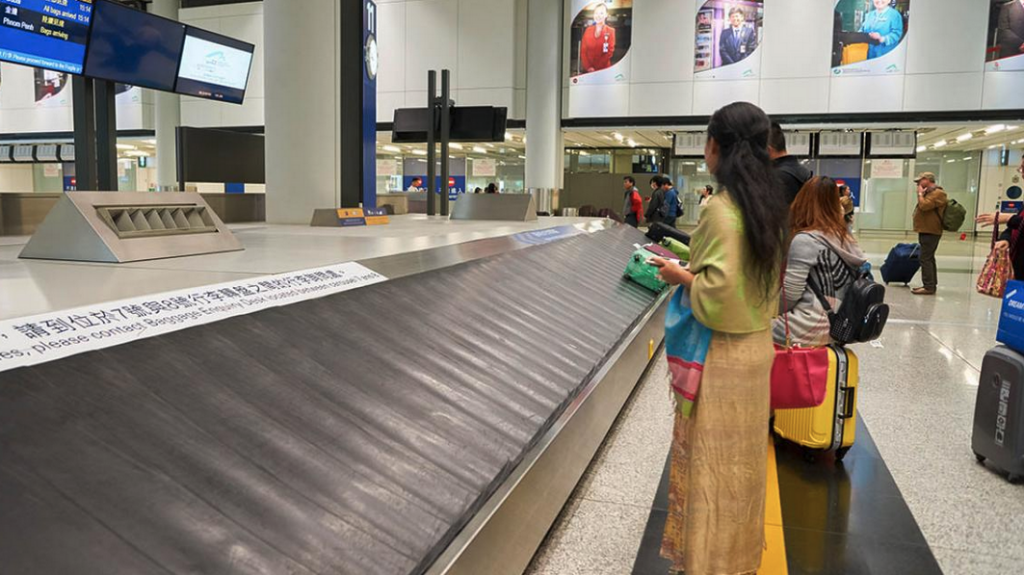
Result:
pixel 727 36
pixel 886 169
pixel 48 34
pixel 600 35
pixel 1005 48
pixel 387 167
pixel 485 168
pixel 868 37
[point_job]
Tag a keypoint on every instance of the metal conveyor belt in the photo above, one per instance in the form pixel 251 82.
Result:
pixel 356 433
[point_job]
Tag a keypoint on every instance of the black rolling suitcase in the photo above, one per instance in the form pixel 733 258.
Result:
pixel 657 231
pixel 902 264
pixel 998 428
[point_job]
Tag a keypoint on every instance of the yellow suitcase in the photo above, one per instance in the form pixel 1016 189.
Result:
pixel 830 426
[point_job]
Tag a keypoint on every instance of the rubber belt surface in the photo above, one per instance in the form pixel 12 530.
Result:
pixel 356 433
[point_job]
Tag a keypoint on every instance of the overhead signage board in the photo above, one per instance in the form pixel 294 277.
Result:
pixel 49 34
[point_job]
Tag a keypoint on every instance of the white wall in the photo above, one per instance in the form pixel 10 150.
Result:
pixel 16 178
pixel 482 42
pixel 244 22
pixel 943 70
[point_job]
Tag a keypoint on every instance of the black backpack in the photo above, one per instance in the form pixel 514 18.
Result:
pixel 862 315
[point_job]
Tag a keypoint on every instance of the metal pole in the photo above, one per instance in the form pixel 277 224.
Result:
pixel 85 133
pixel 431 151
pixel 106 135
pixel 445 136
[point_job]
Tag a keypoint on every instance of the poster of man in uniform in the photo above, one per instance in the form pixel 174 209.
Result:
pixel 728 34
pixel 1005 47
pixel 601 34
pixel 868 36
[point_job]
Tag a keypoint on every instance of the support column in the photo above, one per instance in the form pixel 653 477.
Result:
pixel 544 147
pixel 302 108
pixel 168 116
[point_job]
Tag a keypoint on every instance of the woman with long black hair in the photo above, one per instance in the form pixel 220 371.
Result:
pixel 715 524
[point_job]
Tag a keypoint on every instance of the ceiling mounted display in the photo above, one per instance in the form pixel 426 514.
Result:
pixel 49 34
pixel 134 47
pixel 214 66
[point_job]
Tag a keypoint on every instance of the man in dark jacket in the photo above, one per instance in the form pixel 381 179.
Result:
pixel 1010 35
pixel 738 40
pixel 790 173
pixel 657 200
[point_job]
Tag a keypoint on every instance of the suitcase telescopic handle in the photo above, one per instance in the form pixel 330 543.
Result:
pixel 848 411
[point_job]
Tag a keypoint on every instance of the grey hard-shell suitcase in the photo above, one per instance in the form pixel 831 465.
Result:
pixel 998 425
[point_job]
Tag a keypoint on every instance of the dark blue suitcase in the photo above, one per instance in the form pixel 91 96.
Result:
pixel 902 263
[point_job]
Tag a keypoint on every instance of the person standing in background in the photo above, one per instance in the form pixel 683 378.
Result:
pixel 931 204
pixel 846 200
pixel 657 201
pixel 738 40
pixel 705 195
pixel 416 185
pixel 492 188
pixel 670 208
pixel 598 44
pixel 884 25
pixel 633 206
pixel 790 174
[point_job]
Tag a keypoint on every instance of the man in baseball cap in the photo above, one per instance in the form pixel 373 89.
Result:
pixel 931 203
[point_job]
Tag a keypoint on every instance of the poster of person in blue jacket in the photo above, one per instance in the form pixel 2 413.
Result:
pixel 868 36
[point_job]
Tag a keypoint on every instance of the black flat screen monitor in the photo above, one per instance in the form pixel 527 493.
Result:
pixel 468 124
pixel 214 66
pixel 133 47
pixel 50 34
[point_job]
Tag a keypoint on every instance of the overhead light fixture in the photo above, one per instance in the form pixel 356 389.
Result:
pixel 618 136
pixel 479 150
pixel 993 146
pixel 136 154
pixel 150 142
pixel 455 146
pixel 922 148
pixel 968 159
pixel 394 149
pixel 420 152
pixel 950 161
pixel 584 153
pixel 964 137
pixel 489 145
pixel 508 135
pixel 1011 128
pixel 522 157
pixel 125 147
pixel 995 129
pixel 939 144
pixel 632 143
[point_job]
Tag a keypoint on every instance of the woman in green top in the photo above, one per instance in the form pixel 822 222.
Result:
pixel 715 524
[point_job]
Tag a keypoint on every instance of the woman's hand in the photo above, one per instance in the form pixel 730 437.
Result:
pixel 672 273
pixel 1002 246
pixel 875 36
pixel 989 219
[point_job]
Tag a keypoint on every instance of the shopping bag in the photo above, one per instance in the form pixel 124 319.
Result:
pixel 998 268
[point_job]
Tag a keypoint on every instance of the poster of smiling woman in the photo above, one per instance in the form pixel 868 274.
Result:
pixel 869 37
pixel 728 34
pixel 600 35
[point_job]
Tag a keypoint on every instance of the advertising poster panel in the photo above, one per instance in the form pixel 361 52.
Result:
pixel 52 88
pixel 869 37
pixel 600 36
pixel 1005 48
pixel 727 36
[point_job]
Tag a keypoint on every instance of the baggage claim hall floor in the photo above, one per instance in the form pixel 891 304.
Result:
pixel 908 499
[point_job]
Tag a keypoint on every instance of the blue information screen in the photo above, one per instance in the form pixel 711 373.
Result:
pixel 48 34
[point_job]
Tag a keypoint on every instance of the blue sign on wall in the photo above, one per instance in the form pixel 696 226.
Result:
pixel 456 184
pixel 370 60
pixel 1010 207
pixel 854 184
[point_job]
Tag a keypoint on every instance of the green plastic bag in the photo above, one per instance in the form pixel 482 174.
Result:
pixel 677 247
pixel 643 273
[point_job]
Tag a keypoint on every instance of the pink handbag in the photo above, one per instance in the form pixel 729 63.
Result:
pixel 998 268
pixel 799 374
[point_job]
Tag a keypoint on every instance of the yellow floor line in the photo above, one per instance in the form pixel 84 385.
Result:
pixel 773 562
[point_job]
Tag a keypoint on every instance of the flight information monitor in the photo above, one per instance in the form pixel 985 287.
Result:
pixel 214 66
pixel 133 47
pixel 49 34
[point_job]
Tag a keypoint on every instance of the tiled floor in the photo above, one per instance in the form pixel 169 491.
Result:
pixel 917 395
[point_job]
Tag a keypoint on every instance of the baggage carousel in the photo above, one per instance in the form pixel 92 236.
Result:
pixel 432 423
